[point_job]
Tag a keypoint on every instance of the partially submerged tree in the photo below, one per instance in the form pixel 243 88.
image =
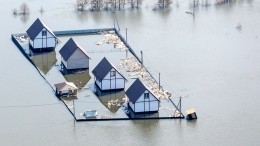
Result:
pixel 96 4
pixel 118 4
pixel 222 2
pixel 15 12
pixel 41 10
pixel 81 5
pixel 194 3
pixel 205 3
pixel 164 3
pixel 135 3
pixel 24 9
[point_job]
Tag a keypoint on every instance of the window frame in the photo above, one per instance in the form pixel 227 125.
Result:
pixel 44 33
pixel 146 95
pixel 112 73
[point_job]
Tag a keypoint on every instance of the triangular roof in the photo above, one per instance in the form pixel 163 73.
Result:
pixel 36 28
pixel 136 90
pixel 102 69
pixel 60 86
pixel 69 48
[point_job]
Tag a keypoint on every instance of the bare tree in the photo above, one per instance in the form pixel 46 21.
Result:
pixel 205 3
pixel 164 3
pixel 135 3
pixel 24 9
pixel 97 4
pixel 81 5
pixel 194 3
pixel 222 2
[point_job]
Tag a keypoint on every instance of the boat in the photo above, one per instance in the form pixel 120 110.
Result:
pixel 90 113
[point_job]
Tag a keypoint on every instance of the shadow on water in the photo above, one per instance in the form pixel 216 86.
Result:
pixel 45 61
pixel 106 97
pixel 80 79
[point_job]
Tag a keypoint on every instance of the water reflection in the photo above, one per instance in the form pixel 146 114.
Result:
pixel 80 79
pixel 81 15
pixel 146 123
pixel 98 16
pixel 164 12
pixel 24 18
pixel 44 61
pixel 131 114
pixel 112 100
pixel 192 123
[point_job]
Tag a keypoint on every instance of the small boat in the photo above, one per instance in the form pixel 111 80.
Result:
pixel 90 113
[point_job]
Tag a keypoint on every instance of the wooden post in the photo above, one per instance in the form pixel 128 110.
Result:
pixel 126 35
pixel 74 108
pixel 180 107
pixel 159 81
pixel 114 19
pixel 142 61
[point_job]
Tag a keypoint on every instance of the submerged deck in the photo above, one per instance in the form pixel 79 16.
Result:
pixel 89 97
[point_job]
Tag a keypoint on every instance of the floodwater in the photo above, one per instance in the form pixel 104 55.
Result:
pixel 208 61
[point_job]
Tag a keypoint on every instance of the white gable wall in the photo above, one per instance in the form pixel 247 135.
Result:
pixel 77 60
pixel 146 105
pixel 40 41
pixel 64 62
pixel 112 83
pixel 131 105
pixel 99 84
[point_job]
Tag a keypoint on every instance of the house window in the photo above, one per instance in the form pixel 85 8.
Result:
pixel 113 73
pixel 44 33
pixel 146 95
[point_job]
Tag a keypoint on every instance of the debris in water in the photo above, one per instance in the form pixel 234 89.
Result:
pixel 239 26
pixel 189 13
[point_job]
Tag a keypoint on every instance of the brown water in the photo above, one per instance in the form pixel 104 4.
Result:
pixel 205 59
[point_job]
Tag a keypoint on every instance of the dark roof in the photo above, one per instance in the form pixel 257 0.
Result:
pixel 102 69
pixel 36 28
pixel 136 90
pixel 69 48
